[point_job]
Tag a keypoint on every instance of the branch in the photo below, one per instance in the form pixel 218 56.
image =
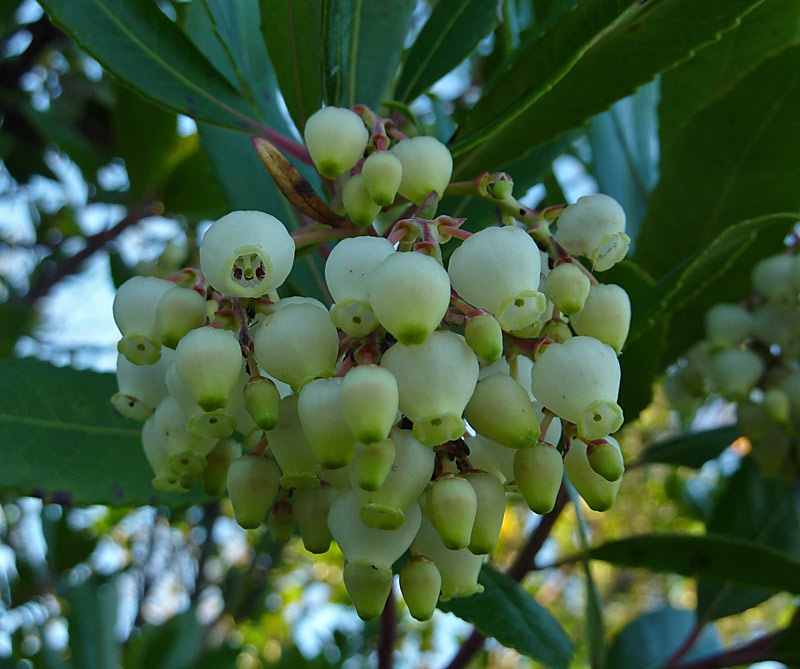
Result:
pixel 212 511
pixel 471 646
pixel 388 633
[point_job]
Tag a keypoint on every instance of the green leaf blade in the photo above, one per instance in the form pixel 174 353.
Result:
pixel 505 611
pixel 136 42
pixel 693 449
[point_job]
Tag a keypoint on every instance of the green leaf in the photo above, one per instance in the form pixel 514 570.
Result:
pixel 710 556
pixel 714 70
pixel 650 639
pixel 737 158
pixel 65 547
pixel 755 508
pixel 136 42
pixel 92 617
pixel 340 36
pixel 598 53
pixel 507 612
pixel 175 643
pixel 709 275
pixel 693 449
pixel 786 646
pixel 382 30
pixel 190 190
pixel 293 32
pixel 450 34
pixel 61 439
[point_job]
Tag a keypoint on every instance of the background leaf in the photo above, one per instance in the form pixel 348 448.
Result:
pixel 758 509
pixel 92 616
pixel 653 637
pixel 138 43
pixel 452 31
pixel 595 54
pixel 707 556
pixel 693 449
pixel 505 611
pixel 61 439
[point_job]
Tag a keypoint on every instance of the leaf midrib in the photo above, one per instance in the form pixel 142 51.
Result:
pixel 55 424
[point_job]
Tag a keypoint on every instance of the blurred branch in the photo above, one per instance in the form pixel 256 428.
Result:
pixel 388 633
pixel 211 512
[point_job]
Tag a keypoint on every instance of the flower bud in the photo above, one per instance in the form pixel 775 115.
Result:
pixel 252 485
pixel 459 569
pixel 298 344
pixel 485 336
pixel 606 315
pixel 134 310
pixel 320 410
pixel 336 138
pixel 451 506
pixel 435 380
pixel 594 227
pixel 501 410
pixel 774 275
pixel 420 583
pixel 369 402
pixel 596 491
pixel 538 472
pixel 357 202
pixel 261 400
pixel 567 286
pixel 208 362
pixel 215 475
pixel 246 254
pixel 372 463
pixel 497 269
pixel 489 513
pixel 281 521
pixel 777 404
pixel 427 166
pixel 735 372
pixel 311 508
pixel 579 381
pixel 412 469
pixel 727 325
pixel 382 172
pixel 179 310
pixel 141 387
pixel 410 294
pixel 368 586
pixel 289 445
pixel 606 459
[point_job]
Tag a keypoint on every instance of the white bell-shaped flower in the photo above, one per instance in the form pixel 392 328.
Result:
pixel 579 381
pixel 606 315
pixel 246 254
pixel 596 491
pixel 497 269
pixel 336 138
pixel 135 305
pixel 289 445
pixel 141 387
pixel 427 166
pixel 594 227
pixel 436 380
pixel 324 424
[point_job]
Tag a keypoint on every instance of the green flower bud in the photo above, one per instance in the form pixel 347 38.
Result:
pixel 735 372
pixel 420 583
pixel 252 485
pixel 777 404
pixel 336 138
pixel 289 445
pixel 451 506
pixel 596 491
pixel 281 521
pixel 141 387
pixel 320 410
pixel 208 362
pixel 382 172
pixel 490 511
pixel 369 400
pixel 538 472
pixel 215 475
pixel 261 400
pixel 368 586
pixel 179 310
pixel 357 202
pixel 567 286
pixel 372 464
pixel 594 227
pixel 311 508
pixel 774 276
pixel 606 315
pixel 606 459
pixel 485 336
pixel 497 269
pixel 435 380
pixel 427 166
pixel 246 254
pixel 727 325
pixel 410 294
pixel 501 410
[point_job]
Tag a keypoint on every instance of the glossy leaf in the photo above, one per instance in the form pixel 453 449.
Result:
pixel 714 70
pixel 693 449
pixel 758 509
pixel 708 556
pixel 737 158
pixel 450 34
pixel 598 53
pixel 505 611
pixel 648 641
pixel 293 32
pixel 61 439
pixel 137 42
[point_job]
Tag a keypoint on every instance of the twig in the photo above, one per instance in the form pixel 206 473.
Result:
pixel 388 633
pixel 210 515
pixel 471 646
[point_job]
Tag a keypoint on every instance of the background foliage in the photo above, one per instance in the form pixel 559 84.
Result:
pixel 125 125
